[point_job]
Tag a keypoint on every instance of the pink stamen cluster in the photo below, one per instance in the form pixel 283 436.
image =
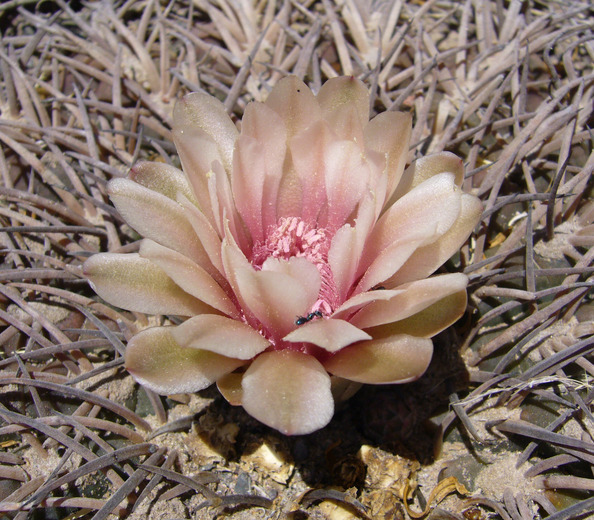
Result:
pixel 294 237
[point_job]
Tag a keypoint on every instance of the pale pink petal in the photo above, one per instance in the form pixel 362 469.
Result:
pixel 288 391
pixel 202 116
pixel 430 321
pixel 291 193
pixel 307 154
pixel 393 258
pixel 234 261
pixel 356 302
pixel 278 298
pixel 203 133
pixel 415 297
pixel 301 270
pixel 222 335
pixel 389 134
pixel 329 334
pixel 426 212
pixel 343 259
pixel 157 217
pixel 208 237
pixel 294 102
pixel 156 361
pixel 345 105
pixel 395 359
pixel 347 246
pixel 347 175
pixel 425 168
pixel 188 275
pixel 163 178
pixel 427 259
pixel 258 168
pixel 136 284
pixel 222 203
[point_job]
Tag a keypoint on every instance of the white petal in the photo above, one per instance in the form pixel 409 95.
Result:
pixel 347 246
pixel 393 257
pixel 234 261
pixel 354 303
pixel 208 237
pixel 435 204
pixel 288 391
pixel 417 219
pixel 430 321
pixel 307 151
pixel 347 175
pixel 222 204
pixel 230 387
pixel 197 115
pixel 345 105
pixel 343 389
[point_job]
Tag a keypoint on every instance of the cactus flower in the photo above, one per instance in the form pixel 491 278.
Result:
pixel 298 251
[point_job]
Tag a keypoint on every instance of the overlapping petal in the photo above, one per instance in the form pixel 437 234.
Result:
pixel 417 219
pixel 295 103
pixel 258 168
pixel 220 334
pixel 396 359
pixel 429 321
pixel 410 299
pixel 345 106
pixel 136 284
pixel 157 361
pixel 275 297
pixel 162 178
pixel 330 334
pixel 425 168
pixel 157 217
pixel 307 153
pixel 203 134
pixel 288 391
pixel 189 275
pixel 425 260
pixel 388 133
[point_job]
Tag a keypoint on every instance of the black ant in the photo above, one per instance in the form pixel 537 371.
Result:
pixel 304 319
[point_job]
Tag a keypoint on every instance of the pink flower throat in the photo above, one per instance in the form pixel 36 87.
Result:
pixel 294 237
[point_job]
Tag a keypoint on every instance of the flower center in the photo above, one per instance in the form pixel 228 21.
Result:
pixel 294 237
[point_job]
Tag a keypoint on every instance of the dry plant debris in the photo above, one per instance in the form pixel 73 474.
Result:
pixel 87 89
